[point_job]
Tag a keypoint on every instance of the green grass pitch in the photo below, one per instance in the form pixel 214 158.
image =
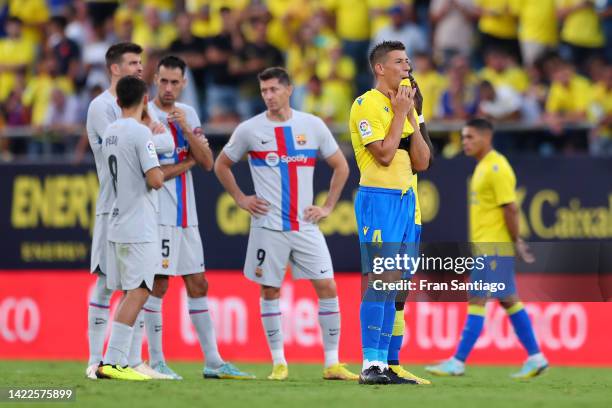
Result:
pixel 482 386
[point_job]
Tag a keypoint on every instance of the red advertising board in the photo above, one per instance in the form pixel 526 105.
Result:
pixel 43 315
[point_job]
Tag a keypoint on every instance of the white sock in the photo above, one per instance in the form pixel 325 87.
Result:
pixel 271 320
pixel 329 320
pixel 538 358
pixel 367 364
pixel 119 344
pixel 200 317
pixel 135 353
pixel 153 324
pixel 97 319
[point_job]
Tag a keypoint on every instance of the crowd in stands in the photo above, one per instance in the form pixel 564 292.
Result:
pixel 544 62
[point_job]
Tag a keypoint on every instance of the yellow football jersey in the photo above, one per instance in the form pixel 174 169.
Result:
pixel 493 184
pixel 369 121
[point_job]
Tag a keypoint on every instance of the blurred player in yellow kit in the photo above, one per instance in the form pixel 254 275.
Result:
pixel 494 230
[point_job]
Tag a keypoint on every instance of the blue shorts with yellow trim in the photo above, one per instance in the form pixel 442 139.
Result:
pixel 386 224
pixel 498 271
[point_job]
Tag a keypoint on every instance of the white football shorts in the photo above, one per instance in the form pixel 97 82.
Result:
pixel 269 252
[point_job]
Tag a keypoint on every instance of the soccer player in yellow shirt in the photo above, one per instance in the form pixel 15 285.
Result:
pixel 494 230
pixel 388 146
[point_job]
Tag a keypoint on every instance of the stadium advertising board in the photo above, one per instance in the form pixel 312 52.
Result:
pixel 34 323
pixel 47 212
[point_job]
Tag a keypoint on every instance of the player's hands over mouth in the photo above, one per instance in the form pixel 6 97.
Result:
pixel 524 252
pixel 418 96
pixel 253 204
pixel 314 213
pixel 178 116
pixel 402 101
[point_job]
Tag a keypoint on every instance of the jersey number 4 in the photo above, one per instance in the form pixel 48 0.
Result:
pixel 112 166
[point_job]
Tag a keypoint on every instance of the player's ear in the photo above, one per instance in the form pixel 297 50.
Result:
pixel 114 69
pixel 145 99
pixel 290 89
pixel 379 69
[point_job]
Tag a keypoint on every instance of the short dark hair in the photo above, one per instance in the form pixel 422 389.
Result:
pixel 116 51
pixel 13 19
pixel 380 51
pixel 279 73
pixel 130 91
pixel 59 21
pixel 480 124
pixel 172 61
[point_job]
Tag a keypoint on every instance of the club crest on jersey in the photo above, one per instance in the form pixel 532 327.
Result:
pixel 258 272
pixel 301 140
pixel 365 129
pixel 165 263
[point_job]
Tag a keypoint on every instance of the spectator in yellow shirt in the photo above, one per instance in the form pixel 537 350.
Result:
pixel 16 55
pixel 431 83
pixel 353 27
pixel 37 94
pixel 153 34
pixel 568 99
pixel 538 31
pixel 497 25
pixel 337 72
pixel 500 70
pixel 302 57
pixel 581 32
pixel 34 14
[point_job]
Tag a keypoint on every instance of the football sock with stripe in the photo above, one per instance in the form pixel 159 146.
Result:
pixel 387 327
pixel 200 317
pixel 523 328
pixel 397 337
pixel 119 344
pixel 271 321
pixel 471 331
pixel 329 321
pixel 371 314
pixel 97 319
pixel 153 325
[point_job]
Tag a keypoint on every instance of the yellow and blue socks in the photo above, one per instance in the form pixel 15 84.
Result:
pixel 397 337
pixel 523 328
pixel 471 331
pixel 371 314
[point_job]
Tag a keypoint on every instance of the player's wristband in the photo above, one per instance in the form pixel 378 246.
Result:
pixel 421 119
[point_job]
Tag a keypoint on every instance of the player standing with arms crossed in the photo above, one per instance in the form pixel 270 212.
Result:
pixel 133 252
pixel 282 146
pixel 122 59
pixel 494 230
pixel 181 245
pixel 385 204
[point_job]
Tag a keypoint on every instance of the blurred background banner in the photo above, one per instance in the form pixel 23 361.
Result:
pixel 47 211
pixel 34 323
